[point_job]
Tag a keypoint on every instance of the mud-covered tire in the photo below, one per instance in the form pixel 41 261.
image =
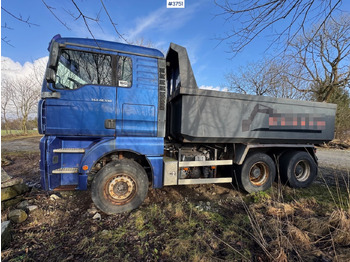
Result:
pixel 119 186
pixel 297 169
pixel 257 173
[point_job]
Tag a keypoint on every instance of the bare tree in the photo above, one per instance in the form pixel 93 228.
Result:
pixel 25 96
pixel 146 43
pixel 38 70
pixel 320 67
pixel 263 78
pixel 20 91
pixel 253 79
pixel 322 59
pixel 6 95
pixel 287 18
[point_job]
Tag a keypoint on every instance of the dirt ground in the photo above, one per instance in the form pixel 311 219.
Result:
pixel 20 158
pixel 26 144
pixel 336 158
pixel 197 223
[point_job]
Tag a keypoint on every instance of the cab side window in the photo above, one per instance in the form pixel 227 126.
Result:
pixel 124 71
pixel 77 68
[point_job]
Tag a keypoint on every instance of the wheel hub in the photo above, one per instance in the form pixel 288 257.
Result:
pixel 302 170
pixel 299 170
pixel 259 173
pixel 120 188
pixel 256 172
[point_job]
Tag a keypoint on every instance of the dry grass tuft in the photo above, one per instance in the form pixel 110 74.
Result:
pixel 305 206
pixel 280 256
pixel 299 238
pixel 280 210
pixel 316 226
pixel 179 212
pixel 340 221
pixel 177 248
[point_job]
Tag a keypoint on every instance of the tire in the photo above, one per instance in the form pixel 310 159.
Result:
pixel 257 173
pixel 119 186
pixel 297 169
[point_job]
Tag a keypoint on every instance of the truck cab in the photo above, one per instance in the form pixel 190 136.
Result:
pixel 100 102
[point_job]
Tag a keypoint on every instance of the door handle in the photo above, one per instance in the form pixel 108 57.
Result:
pixel 110 123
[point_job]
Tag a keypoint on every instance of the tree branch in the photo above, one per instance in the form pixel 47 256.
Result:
pixel 113 24
pixel 50 8
pixel 19 18
pixel 85 18
pixel 255 17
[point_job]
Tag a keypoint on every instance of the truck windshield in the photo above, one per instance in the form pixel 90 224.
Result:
pixel 76 68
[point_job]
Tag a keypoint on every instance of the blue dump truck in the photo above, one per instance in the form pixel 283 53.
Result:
pixel 120 118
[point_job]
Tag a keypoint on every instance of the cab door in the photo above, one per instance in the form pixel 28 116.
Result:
pixel 85 96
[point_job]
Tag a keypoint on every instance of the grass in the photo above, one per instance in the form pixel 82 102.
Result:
pixel 302 224
pixel 18 132
pixel 281 224
pixel 268 228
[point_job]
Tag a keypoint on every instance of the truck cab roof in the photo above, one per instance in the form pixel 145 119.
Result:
pixel 109 45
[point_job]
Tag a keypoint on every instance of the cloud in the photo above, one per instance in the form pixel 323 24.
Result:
pixel 145 23
pixel 8 66
pixel 215 88
pixel 162 19
pixel 11 69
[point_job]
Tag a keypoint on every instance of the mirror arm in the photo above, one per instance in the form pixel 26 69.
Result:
pixel 49 87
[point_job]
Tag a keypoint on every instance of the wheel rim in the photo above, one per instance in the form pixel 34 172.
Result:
pixel 302 170
pixel 259 173
pixel 120 189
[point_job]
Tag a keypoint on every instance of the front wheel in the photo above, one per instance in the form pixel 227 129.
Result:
pixel 298 169
pixel 120 186
pixel 257 173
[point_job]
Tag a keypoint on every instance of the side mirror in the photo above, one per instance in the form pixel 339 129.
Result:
pixel 53 58
pixel 50 75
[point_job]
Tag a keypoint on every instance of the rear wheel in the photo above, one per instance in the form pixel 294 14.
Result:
pixel 298 169
pixel 257 173
pixel 120 186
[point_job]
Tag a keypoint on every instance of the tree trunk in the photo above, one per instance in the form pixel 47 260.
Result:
pixel 24 125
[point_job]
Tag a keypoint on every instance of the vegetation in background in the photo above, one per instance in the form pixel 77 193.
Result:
pixel 342 120
pixel 13 127
pixel 316 67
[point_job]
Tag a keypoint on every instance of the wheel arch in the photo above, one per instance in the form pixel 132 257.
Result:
pixel 310 150
pixel 243 150
pixel 105 154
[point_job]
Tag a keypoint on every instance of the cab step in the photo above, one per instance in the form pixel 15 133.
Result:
pixel 66 170
pixel 197 181
pixel 69 150
pixel 65 188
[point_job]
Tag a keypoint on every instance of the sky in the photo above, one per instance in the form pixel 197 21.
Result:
pixel 198 27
